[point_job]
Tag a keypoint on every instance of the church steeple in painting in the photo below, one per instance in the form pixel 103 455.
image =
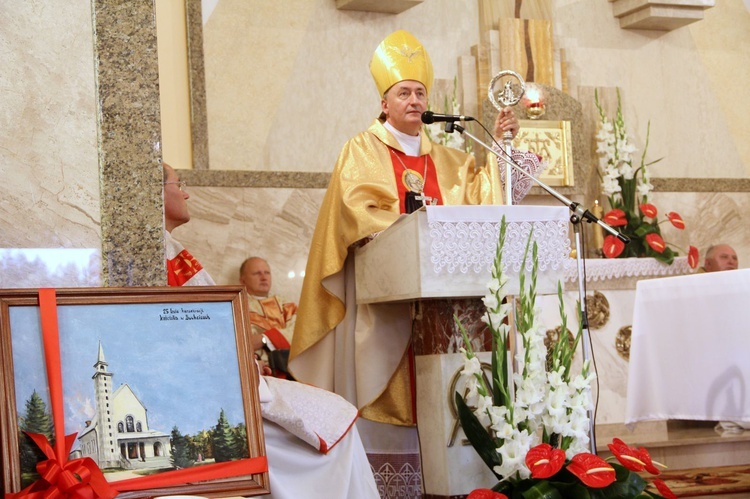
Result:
pixel 106 436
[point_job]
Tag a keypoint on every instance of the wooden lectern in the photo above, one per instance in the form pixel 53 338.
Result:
pixel 439 260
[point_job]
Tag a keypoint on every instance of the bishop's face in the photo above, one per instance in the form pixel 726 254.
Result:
pixel 403 105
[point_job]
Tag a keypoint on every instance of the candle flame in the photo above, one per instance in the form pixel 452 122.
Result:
pixel 533 95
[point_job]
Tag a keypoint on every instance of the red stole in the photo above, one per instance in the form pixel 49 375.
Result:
pixel 181 268
pixel 416 163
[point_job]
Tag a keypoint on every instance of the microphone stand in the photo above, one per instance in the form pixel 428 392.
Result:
pixel 578 214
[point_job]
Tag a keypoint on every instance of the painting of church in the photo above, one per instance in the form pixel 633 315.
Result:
pixel 119 436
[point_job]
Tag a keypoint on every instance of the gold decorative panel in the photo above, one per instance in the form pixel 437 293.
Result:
pixel 551 141
pixel 622 341
pixel 597 308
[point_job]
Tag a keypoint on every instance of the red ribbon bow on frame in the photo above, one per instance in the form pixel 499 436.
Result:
pixel 76 479
pixel 60 478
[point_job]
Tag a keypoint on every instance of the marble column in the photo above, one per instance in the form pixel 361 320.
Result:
pixel 127 82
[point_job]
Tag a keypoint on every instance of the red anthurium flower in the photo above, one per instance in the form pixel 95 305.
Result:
pixel 656 242
pixel 663 489
pixel 485 494
pixel 648 209
pixel 676 220
pixel 615 218
pixel 592 470
pixel 628 456
pixel 632 458
pixel 544 461
pixel 612 247
pixel 693 257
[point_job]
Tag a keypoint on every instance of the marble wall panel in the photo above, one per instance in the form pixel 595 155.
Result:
pixel 287 84
pixel 68 71
pixel 314 88
pixel 49 197
pixel 229 224
pixel 678 81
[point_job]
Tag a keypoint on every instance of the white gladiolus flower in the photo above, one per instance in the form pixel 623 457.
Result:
pixel 556 403
pixel 627 171
pixel 472 393
pixel 540 402
pixel 503 429
pixel 471 365
pixel 455 140
pixel 484 403
pixel 513 454
pixel 610 186
pixel 580 382
pixel 493 320
pixel 494 286
pixel 497 415
pixel 644 188
pixel 490 302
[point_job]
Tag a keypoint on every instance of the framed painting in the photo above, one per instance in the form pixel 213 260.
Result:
pixel 157 385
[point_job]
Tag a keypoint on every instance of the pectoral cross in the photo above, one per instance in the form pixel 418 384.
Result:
pixel 425 199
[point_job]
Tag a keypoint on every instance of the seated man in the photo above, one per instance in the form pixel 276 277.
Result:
pixel 720 257
pixel 313 447
pixel 272 318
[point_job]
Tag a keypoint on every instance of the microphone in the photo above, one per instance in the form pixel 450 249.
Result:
pixel 429 117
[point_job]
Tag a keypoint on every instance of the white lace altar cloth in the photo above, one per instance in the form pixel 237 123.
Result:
pixel 464 238
pixel 602 269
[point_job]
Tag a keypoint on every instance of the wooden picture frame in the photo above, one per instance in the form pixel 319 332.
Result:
pixel 176 359
pixel 552 141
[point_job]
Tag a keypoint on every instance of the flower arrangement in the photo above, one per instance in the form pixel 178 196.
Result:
pixel 436 131
pixel 531 427
pixel 627 187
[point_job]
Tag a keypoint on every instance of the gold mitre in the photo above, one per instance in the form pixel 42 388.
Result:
pixel 400 57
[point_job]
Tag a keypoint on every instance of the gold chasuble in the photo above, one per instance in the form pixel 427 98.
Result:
pixel 361 352
pixel 272 313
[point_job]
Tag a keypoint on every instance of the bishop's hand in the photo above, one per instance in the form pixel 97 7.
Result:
pixel 506 121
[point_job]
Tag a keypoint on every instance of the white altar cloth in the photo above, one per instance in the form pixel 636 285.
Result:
pixel 690 349
pixel 448 252
pixel 606 269
pixel 464 238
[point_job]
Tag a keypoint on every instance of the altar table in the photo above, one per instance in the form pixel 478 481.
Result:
pixel 690 349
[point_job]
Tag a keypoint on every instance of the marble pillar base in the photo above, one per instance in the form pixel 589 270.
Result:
pixel 435 330
pixel 450 465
